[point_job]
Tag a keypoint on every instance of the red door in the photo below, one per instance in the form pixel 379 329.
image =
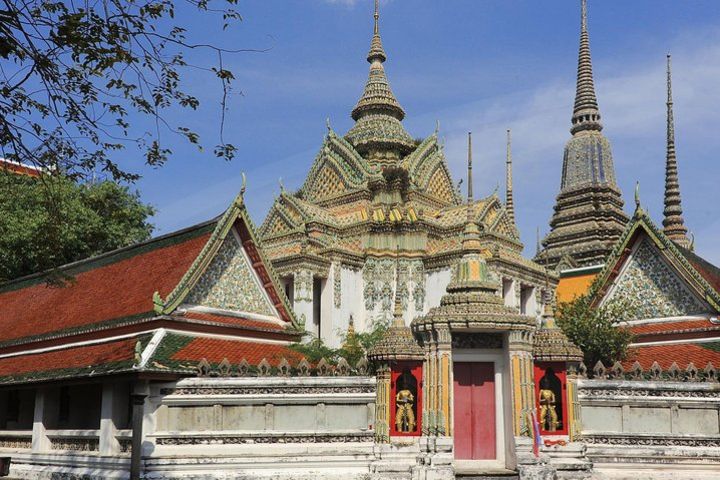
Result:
pixel 474 399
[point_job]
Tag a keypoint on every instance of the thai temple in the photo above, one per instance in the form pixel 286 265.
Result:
pixel 187 356
pixel 374 194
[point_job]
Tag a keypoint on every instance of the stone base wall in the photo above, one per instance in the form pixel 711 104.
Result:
pixel 647 429
pixel 261 427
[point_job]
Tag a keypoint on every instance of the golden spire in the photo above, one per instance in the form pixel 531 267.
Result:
pixel 673 222
pixel 586 113
pixel 509 203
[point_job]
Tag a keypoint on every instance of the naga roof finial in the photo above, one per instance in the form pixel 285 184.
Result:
pixel 637 195
pixel 673 222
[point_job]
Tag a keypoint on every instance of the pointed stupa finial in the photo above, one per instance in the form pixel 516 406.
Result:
pixel 509 202
pixel 586 113
pixel 377 52
pixel 673 222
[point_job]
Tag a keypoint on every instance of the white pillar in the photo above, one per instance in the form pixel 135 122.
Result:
pixel 109 444
pixel 40 440
pixel 303 301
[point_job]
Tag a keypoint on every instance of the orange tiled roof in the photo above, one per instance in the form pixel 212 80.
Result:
pixel 19 168
pixel 234 320
pixel 214 350
pixel 116 285
pixel 672 327
pixel 69 362
pixel 570 287
pixel 681 353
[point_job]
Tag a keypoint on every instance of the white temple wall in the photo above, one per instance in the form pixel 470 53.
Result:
pixel 648 429
pixel 341 281
pixel 436 283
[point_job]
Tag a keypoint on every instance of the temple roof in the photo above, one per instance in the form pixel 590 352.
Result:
pixel 207 280
pixel 670 265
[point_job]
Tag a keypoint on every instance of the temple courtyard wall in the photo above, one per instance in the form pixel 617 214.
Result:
pixel 651 429
pixel 322 427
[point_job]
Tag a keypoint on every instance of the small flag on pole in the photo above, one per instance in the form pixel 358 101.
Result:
pixel 537 439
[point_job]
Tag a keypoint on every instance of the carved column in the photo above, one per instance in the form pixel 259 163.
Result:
pixel 521 375
pixel 382 405
pixel 444 382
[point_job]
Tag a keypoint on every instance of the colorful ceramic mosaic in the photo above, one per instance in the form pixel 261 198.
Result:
pixel 230 283
pixel 656 291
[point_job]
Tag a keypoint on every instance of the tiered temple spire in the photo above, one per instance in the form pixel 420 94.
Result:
pixel 469 174
pixel 589 216
pixel 673 223
pixel 509 202
pixel 378 129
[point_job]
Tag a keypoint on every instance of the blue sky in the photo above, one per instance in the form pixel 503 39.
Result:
pixel 473 65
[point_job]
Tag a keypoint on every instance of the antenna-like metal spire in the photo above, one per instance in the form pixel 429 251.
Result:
pixel 469 172
pixel 509 202
pixel 377 17
pixel 673 222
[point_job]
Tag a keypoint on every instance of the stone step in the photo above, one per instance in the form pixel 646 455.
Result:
pixel 487 475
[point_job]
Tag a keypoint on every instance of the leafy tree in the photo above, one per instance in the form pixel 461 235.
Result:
pixel 80 82
pixel 353 347
pixel 598 331
pixel 98 217
pixel 74 75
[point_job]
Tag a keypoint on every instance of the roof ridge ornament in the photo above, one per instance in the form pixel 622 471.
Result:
pixel 673 222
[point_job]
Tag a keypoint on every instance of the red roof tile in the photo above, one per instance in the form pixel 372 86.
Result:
pixel 681 353
pixel 215 350
pixel 672 327
pixel 233 320
pixel 707 270
pixel 111 286
pixel 88 358
pixel 19 168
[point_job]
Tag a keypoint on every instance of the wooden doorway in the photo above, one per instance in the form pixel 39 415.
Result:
pixel 474 411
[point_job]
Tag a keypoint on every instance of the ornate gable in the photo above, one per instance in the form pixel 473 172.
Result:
pixel 440 186
pixel 656 290
pixel 230 282
pixel 429 171
pixel 337 168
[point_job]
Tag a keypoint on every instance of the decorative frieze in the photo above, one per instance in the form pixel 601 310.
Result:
pixel 16 442
pixel 265 438
pixel 337 285
pixel 477 340
pixel 319 389
pixel 655 373
pixel 75 444
pixel 640 440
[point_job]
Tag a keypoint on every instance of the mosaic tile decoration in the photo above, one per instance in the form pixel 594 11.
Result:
pixel 230 283
pixel 656 290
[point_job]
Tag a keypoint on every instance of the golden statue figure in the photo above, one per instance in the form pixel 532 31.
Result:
pixel 548 412
pixel 404 415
